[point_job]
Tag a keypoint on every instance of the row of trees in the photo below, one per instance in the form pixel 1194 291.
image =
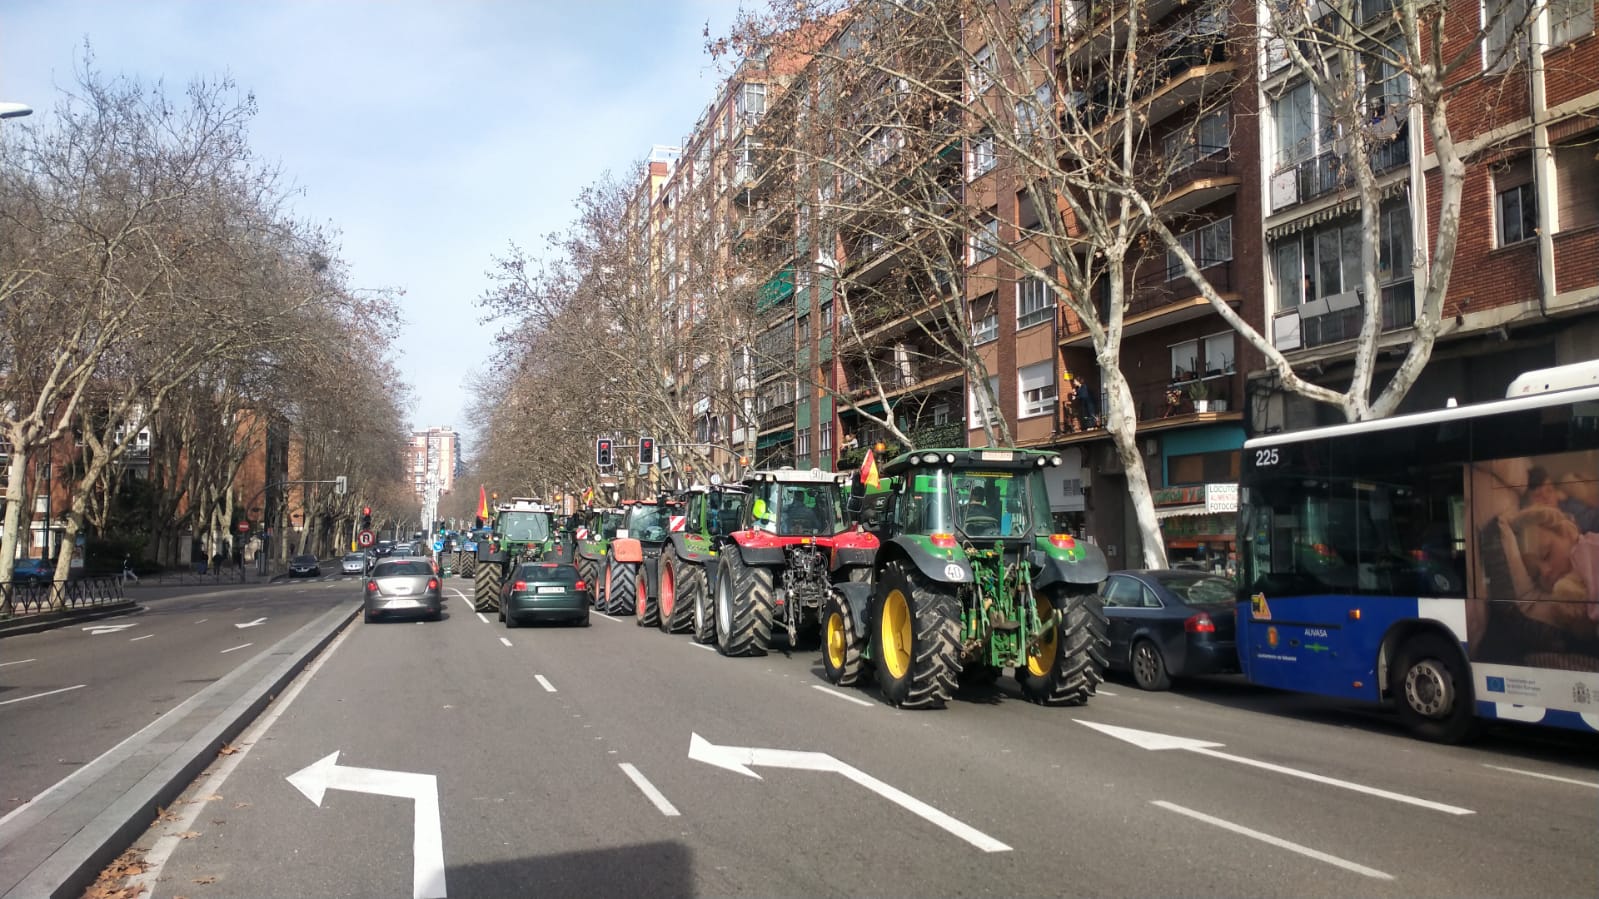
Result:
pixel 867 154
pixel 159 297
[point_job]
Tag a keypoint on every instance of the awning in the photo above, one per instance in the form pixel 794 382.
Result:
pixel 775 291
pixel 1179 511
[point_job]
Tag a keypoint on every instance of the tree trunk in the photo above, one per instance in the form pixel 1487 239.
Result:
pixel 17 471
pixel 1122 422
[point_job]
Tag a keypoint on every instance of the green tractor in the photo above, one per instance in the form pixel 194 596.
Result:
pixel 968 580
pixel 523 531
pixel 710 515
pixel 593 545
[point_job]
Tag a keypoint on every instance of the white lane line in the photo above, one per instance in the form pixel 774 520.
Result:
pixel 705 646
pixel 607 617
pixel 480 617
pixel 544 682
pixel 235 649
pixel 202 621
pixel 145 637
pixel 1565 780
pixel 649 791
pixel 156 858
pixel 505 641
pixel 1103 693
pixel 44 694
pixel 844 696
pixel 1279 842
pixel 17 662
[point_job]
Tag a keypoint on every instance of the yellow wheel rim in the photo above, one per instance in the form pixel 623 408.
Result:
pixel 835 640
pixel 1041 661
pixel 897 634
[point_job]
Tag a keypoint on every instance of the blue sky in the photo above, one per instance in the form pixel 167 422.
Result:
pixel 429 133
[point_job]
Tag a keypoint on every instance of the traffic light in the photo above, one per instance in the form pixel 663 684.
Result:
pixel 603 449
pixel 366 518
pixel 341 484
pixel 646 451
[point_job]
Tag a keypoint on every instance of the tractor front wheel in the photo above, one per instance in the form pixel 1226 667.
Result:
pixel 588 573
pixel 744 607
pixel 841 645
pixel 465 564
pixel 646 608
pixel 679 591
pixel 486 587
pixel 621 579
pixel 1066 663
pixel 915 631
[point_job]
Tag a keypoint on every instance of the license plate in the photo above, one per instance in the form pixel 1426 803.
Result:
pixel 400 589
pixel 552 589
pixel 401 604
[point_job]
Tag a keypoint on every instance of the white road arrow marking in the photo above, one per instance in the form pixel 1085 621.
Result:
pixel 1149 740
pixel 97 629
pixel 427 873
pixel 255 623
pixel 739 758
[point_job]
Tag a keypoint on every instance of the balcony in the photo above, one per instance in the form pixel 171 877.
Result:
pixel 1204 181
pixel 1163 297
pixel 1093 28
pixel 1196 66
pixel 1337 318
pixel 1328 172
pixel 1159 404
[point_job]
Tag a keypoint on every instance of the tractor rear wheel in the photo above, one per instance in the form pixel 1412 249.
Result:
pixel 486 587
pixel 915 639
pixel 646 608
pixel 841 645
pixel 681 583
pixel 744 607
pixel 1067 662
pixel 588 572
pixel 465 564
pixel 620 580
pixel 704 610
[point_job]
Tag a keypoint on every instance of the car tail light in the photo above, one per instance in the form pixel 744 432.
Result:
pixel 942 541
pixel 1063 541
pixel 519 586
pixel 581 586
pixel 433 583
pixel 371 586
pixel 1199 624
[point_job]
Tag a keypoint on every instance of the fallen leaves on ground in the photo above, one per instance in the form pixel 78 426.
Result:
pixel 209 878
pixel 241 805
pixel 188 834
pixel 227 749
pixel 109 884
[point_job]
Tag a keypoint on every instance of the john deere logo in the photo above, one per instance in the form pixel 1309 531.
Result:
pixel 1271 637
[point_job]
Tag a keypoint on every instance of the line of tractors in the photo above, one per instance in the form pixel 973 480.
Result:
pixel 943 570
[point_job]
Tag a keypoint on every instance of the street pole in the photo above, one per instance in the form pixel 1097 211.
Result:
pixel 48 509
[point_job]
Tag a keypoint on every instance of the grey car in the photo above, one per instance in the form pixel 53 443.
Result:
pixel 403 587
pixel 354 563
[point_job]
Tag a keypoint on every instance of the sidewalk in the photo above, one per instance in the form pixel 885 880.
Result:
pixel 58 842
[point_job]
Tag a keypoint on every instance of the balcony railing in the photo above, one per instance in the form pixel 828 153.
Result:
pixel 1328 172
pixel 1336 318
pixel 1162 287
pixel 1152 401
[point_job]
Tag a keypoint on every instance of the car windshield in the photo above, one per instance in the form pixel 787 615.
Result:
pixel 355 557
pixel 304 560
pixel 525 527
pixel 403 569
pixel 1199 589
pixel 561 574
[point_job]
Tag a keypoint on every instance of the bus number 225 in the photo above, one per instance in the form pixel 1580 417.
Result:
pixel 1265 458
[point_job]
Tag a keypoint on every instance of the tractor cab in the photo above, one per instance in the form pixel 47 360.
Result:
pixel 524 521
pixel 789 503
pixel 649 521
pixel 714 511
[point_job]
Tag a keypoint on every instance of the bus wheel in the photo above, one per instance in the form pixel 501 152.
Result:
pixel 1432 690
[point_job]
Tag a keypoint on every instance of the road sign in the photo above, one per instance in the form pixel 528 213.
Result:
pixel 244 527
pixel 427 854
pixel 366 539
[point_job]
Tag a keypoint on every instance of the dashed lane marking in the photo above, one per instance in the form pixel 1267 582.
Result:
pixel 650 792
pixel 844 696
pixel 1565 780
pixel 1279 842
pixel 44 694
pixel 505 641
pixel 545 683
pixel 145 637
pixel 481 617
pixel 607 617
pixel 236 648
pixel 705 646
pixel 17 662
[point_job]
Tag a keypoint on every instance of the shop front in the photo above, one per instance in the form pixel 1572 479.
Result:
pixel 1199 525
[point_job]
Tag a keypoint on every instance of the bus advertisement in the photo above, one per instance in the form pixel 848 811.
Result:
pixel 1446 561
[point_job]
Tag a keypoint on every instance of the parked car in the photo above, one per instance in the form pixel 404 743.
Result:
pixel 544 591
pixel 354 563
pixel 403 587
pixel 1170 623
pixel 305 566
pixel 33 572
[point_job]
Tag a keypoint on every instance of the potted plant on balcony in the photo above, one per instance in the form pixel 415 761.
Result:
pixel 1199 392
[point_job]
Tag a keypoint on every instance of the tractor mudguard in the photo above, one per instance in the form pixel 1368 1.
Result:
pixel 854 556
pixel 483 554
pixel 1091 568
pixel 952 569
pixel 694 548
pixel 858 599
pixel 626 549
pixel 755 554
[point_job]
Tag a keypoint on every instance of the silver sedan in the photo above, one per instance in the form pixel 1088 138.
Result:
pixel 407 587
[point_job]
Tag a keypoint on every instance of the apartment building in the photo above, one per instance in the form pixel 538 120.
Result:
pixel 433 459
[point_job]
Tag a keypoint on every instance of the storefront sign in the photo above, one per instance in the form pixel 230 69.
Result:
pixel 1178 496
pixel 1221 497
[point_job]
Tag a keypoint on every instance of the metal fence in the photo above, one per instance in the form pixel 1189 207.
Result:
pixel 79 593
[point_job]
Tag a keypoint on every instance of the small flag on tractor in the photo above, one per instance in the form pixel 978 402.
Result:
pixel 588 496
pixel 869 470
pixel 482 502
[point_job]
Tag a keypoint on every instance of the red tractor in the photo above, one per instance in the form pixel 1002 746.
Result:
pixel 778 569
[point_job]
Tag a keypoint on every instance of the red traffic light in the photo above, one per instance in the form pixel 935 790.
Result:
pixel 366 510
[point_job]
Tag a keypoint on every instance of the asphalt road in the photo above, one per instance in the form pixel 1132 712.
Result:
pixel 561 762
pixel 67 695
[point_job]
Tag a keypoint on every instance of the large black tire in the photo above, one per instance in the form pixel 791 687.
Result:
pixel 680 585
pixel 841 645
pixel 466 564
pixel 621 578
pixel 1432 690
pixel 646 603
pixel 587 571
pixel 486 587
pixel 704 611
pixel 1070 660
pixel 915 628
pixel 744 607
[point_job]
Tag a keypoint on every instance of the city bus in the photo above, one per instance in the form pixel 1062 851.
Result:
pixel 1444 561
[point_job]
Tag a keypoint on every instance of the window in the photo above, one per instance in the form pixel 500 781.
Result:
pixel 1506 23
pixel 1219 355
pixel 985 319
pixel 1035 26
pixel 1185 360
pixel 1295 114
pixel 985 243
pixel 802 442
pixel 941 414
pixel 982 156
pixel 1035 302
pixel 827 317
pixel 1515 204
pixel 751 102
pixel 824 437
pixel 1577 184
pixel 1210 136
pixel 975 418
pixel 1569 20
pixel 1203 468
pixel 1123 592
pixel 1035 389
pixel 982 74
pixel 1209 245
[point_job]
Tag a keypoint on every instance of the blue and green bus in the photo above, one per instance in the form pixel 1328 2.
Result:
pixel 1445 561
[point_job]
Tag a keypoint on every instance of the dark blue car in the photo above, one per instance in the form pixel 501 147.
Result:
pixel 1170 623
pixel 33 571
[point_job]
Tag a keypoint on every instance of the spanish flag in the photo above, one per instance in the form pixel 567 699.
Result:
pixel 588 496
pixel 869 470
pixel 482 502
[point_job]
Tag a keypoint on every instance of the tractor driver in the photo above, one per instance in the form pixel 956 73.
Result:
pixel 976 519
pixel 798 518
